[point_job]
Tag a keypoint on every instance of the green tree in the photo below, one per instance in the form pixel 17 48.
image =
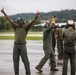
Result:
pixel 4 24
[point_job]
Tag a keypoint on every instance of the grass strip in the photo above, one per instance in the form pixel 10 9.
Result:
pixel 27 38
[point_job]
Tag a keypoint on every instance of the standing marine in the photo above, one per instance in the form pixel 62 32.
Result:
pixel 59 42
pixel 69 38
pixel 19 48
pixel 48 50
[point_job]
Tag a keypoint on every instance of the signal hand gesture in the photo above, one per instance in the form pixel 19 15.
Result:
pixel 38 13
pixel 2 10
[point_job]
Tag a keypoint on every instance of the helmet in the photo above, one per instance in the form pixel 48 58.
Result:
pixel 47 24
pixel 70 23
pixel 20 19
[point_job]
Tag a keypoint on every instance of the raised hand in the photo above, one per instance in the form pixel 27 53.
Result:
pixel 38 13
pixel 2 10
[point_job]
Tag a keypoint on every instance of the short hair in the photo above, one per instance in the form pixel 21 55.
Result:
pixel 54 16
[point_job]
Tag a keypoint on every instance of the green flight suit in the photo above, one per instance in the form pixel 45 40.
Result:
pixel 53 31
pixel 69 37
pixel 59 43
pixel 20 49
pixel 75 60
pixel 47 47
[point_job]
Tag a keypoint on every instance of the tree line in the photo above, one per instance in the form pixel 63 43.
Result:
pixel 62 16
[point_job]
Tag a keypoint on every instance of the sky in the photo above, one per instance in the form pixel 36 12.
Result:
pixel 13 7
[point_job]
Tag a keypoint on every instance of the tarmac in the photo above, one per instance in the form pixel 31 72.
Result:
pixel 35 54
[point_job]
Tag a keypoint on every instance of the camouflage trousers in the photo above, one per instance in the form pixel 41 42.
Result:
pixel 49 54
pixel 69 53
pixel 20 50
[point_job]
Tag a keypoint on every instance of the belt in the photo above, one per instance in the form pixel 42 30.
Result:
pixel 19 43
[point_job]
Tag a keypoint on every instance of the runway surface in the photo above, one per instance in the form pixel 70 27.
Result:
pixel 35 53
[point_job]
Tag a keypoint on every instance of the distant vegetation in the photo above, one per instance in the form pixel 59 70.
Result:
pixel 62 16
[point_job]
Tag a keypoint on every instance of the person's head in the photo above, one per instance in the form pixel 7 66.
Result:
pixel 54 16
pixel 70 23
pixel 54 19
pixel 47 24
pixel 20 21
